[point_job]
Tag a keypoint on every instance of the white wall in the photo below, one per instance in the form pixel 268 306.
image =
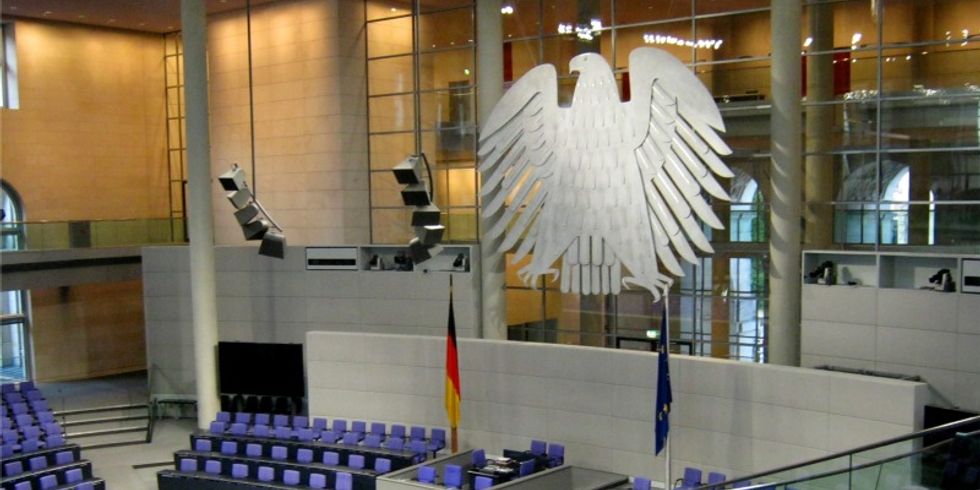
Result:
pixel 927 333
pixel 728 416
pixel 262 299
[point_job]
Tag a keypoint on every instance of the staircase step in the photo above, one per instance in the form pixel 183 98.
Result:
pixel 120 430
pixel 71 423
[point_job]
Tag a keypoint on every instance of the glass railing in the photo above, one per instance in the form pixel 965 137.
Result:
pixel 49 235
pixel 900 462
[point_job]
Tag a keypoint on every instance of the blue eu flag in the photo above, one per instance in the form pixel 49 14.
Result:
pixel 664 398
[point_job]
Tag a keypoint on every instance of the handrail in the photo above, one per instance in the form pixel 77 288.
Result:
pixel 867 447
pixel 91 220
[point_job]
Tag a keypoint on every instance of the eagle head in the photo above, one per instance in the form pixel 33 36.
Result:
pixel 584 62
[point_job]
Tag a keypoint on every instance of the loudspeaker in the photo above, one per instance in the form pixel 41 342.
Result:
pixel 409 171
pixel 273 244
pixel 415 195
pixel 233 180
pixel 256 229
pixel 426 216
pixel 240 199
pixel 246 214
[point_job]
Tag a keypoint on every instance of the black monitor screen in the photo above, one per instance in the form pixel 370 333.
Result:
pixel 261 369
pixel 935 416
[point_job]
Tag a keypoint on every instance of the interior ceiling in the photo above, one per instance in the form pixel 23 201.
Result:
pixel 157 16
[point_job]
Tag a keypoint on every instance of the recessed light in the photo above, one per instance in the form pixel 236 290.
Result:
pixel 81 16
pixel 13 7
pixel 48 12
pixel 142 24
pixel 111 21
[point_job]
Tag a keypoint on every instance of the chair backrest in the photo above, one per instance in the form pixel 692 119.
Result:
pixel 301 421
pixel 372 440
pixel 253 450
pixel 417 447
pixel 280 420
pixel 438 435
pixel 453 476
pixel 692 476
pixel 556 455
pixel 351 439
pixel 394 443
pixel 319 424
pixel 355 461
pixel 358 426
pixel 382 465
pixel 203 445
pixel 345 481
pixel 6 450
pixel 218 427
pixel 31 432
pixel 24 419
pixel 304 434
pixel 65 457
pixel 279 452
pixel 74 475
pixel 37 463
pixel 24 485
pixel 12 468
pixel 238 429
pixel 331 458
pixel 260 430
pixel 48 481
pixel 641 483
pixel 55 440
pixel 290 477
pixel 479 458
pixel 212 466
pixel 715 477
pixel 526 467
pixel 742 484
pixel 45 416
pixel 222 417
pixel 229 447
pixel 482 482
pixel 339 425
pixel 239 470
pixel 417 433
pixel 262 418
pixel 85 485
pixel 318 480
pixel 28 445
pixel 427 474
pixel 188 464
pixel 266 473
pixel 538 447
pixel 283 432
pixel 304 455
pixel 243 417
pixel 398 430
pixel 378 428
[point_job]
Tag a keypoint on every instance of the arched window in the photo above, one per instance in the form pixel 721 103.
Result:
pixel 747 215
pixel 11 218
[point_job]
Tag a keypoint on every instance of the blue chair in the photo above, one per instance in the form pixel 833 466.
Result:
pixel 25 386
pixel 438 440
pixel 24 485
pixel 280 421
pixel 372 441
pixel 279 452
pixel 538 448
pixel 13 468
pixel 641 483
pixel 266 473
pixel 48 481
pixel 526 467
pixel 239 471
pixel 31 432
pixel 218 427
pixel 30 445
pixel 319 425
pixel 358 427
pixel 188 465
pixel 355 461
pixel 243 418
pixel 417 448
pixel 691 479
pixel 65 457
pixel 482 483
pixel 339 425
pixel 253 450
pixel 238 429
pixel 55 440
pixel 202 445
pixel 350 439
pixel 304 455
pixel 398 430
pixel 382 465
pixel 714 478
pixel 318 480
pixel 85 485
pixel 6 450
pixel 300 421
pixel 290 477
pixel 345 481
pixel 222 417
pixel 212 466
pixel 304 434
pixel 229 447
pixel 283 433
pixel 427 474
pixel 262 418
pixel 45 417
pixel 453 476
pixel 556 455
pixel 74 475
pixel 331 458
pixel 394 444
pixel 24 420
pixel 260 430
pixel 416 433
pixel 37 463
pixel 479 458
pixel 378 429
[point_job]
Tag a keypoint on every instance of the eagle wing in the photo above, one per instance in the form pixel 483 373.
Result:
pixel 516 154
pixel 674 121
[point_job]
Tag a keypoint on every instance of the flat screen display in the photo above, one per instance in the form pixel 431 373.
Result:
pixel 254 368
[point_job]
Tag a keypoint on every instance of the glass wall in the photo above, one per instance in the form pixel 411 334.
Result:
pixel 718 307
pixel 421 92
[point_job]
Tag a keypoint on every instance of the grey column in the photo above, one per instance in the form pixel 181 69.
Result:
pixel 819 166
pixel 490 86
pixel 784 217
pixel 200 226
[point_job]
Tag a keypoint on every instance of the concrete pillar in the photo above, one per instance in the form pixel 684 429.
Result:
pixel 819 172
pixel 200 225
pixel 786 195
pixel 490 86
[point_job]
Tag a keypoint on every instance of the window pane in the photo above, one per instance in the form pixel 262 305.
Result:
pixel 392 113
pixel 908 21
pixel 430 5
pixel 389 37
pixel 743 35
pixel 931 176
pixel 559 50
pixel 931 67
pixel 390 75
pixel 462 186
pixel 746 81
pixel 850 125
pixel 719 6
pixel 630 38
pixel 931 122
pixel 524 21
pixel 852 22
pixel 633 12
pixel 575 13
pixel 449 109
pixel 519 58
pixel 391 225
pixel 385 190
pixel 382 9
pixel 387 150
pixel 462 225
pixel 444 69
pixel 446 29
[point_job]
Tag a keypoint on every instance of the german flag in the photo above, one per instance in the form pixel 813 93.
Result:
pixel 452 366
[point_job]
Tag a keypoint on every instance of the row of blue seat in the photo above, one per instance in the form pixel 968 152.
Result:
pixel 72 472
pixel 281 453
pixel 394 441
pixel 267 473
pixel 282 426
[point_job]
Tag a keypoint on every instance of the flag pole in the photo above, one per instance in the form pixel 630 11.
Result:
pixel 666 341
pixel 453 444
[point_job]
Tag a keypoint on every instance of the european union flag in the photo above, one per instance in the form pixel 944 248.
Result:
pixel 664 397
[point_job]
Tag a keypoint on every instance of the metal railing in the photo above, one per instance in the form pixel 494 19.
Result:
pixel 50 235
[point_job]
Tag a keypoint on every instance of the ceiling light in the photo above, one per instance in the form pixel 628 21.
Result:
pixel 507 9
pixel 47 12
pixel 808 42
pixel 393 9
pixel 908 57
pixel 111 21
pixel 856 38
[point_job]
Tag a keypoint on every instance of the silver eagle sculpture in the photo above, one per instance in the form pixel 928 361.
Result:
pixel 607 186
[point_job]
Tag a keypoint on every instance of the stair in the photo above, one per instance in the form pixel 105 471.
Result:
pixel 108 426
